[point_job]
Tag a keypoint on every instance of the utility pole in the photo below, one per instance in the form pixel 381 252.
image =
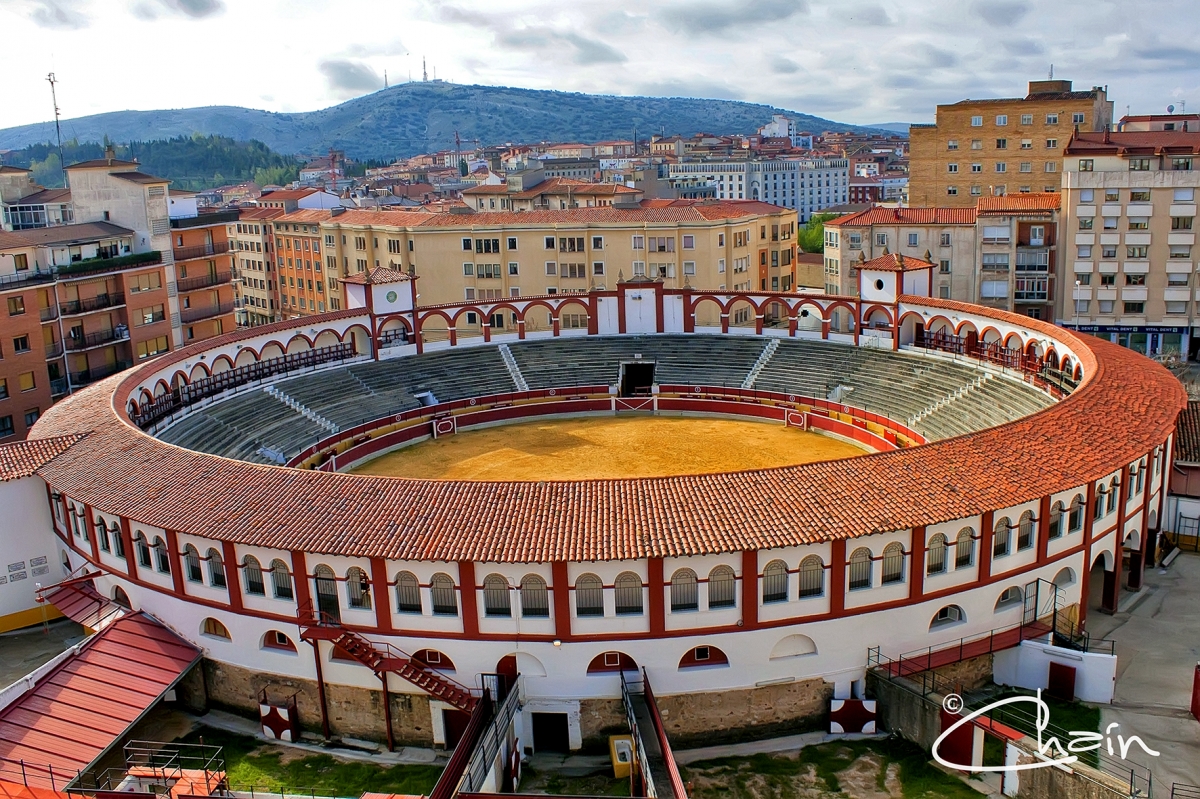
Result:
pixel 424 71
pixel 57 127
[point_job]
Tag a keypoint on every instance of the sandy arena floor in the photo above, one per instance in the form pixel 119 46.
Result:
pixel 607 447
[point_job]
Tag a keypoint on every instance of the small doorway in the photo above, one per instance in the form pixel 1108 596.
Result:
pixel 550 733
pixel 327 594
pixel 637 379
pixel 455 724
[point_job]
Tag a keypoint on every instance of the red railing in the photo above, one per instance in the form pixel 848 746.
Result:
pixel 660 732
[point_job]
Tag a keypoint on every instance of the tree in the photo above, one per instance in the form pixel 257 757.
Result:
pixel 812 236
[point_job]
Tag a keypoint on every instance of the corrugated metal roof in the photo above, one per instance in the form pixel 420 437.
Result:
pixel 86 704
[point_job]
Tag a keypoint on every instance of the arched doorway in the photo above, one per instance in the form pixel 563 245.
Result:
pixel 327 593
pixel 507 669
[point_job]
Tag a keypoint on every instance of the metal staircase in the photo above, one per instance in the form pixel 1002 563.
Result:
pixel 514 371
pixel 382 658
pixel 763 359
pixel 302 409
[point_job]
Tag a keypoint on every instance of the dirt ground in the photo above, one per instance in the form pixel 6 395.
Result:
pixel 608 447
pixel 867 777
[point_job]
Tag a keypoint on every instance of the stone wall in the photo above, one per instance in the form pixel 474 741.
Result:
pixel 600 718
pixel 705 718
pixel 971 674
pixel 353 712
pixel 901 709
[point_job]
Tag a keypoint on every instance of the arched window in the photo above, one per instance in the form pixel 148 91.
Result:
pixel 1141 476
pixel 102 535
pixel 252 576
pixel 191 560
pixel 775 582
pixel 441 591
pixel 329 607
pixel 684 591
pixel 408 593
pixel 496 601
pixel 143 549
pixel 1065 577
pixel 951 614
pixel 162 558
pixel 274 639
pixel 935 555
pixel 120 597
pixel 1114 491
pixel 703 657
pixel 964 548
pixel 214 628
pixel 1025 531
pixel 1075 517
pixel 812 576
pixel 860 569
pixel 1056 521
pixel 216 569
pixel 118 541
pixel 1001 537
pixel 281 580
pixel 722 585
pixel 358 588
pixel 893 563
pixel 589 596
pixel 535 600
pixel 1009 598
pixel 1101 501
pixel 629 594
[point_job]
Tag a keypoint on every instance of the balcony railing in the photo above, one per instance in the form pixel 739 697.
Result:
pixel 98 373
pixel 203 220
pixel 203 281
pixel 200 251
pixel 26 276
pixel 196 314
pixel 58 387
pixel 93 265
pixel 54 350
pixel 96 303
pixel 87 340
pixel 48 314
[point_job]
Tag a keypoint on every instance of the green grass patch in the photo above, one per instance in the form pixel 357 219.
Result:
pixel 250 762
pixel 1064 716
pixel 763 775
pixel 598 784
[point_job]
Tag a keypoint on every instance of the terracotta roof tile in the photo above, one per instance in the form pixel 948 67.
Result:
pixel 1134 141
pixel 906 216
pixel 24 458
pixel 120 469
pixel 1010 203
pixel 894 262
pixel 1187 446
pixel 378 275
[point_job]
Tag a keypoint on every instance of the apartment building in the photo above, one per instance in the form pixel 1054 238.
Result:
pixel 534 190
pixel 1129 202
pixel 977 148
pixel 251 247
pixel 804 185
pixel 947 234
pixel 743 246
pixel 309 281
pixel 288 200
pixel 1017 254
pixel 203 270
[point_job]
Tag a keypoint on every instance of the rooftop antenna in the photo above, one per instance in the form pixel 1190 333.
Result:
pixel 1051 72
pixel 57 127
pixel 385 79
pixel 424 71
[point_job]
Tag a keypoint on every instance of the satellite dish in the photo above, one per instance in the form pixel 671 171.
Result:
pixel 1170 109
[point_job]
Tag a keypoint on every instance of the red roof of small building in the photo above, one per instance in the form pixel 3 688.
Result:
pixel 24 458
pixel 1019 203
pixel 288 194
pixel 896 262
pixel 1134 142
pixel 881 215
pixel 87 703
pixel 553 186
pixel 1187 446
pixel 378 275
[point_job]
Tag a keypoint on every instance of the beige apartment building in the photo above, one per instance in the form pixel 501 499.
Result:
pixel 251 245
pixel 1129 206
pixel 978 148
pixel 466 255
pixel 531 190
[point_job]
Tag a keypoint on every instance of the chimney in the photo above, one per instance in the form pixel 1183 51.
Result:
pixel 110 153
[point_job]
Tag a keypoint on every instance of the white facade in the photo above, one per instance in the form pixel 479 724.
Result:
pixel 807 185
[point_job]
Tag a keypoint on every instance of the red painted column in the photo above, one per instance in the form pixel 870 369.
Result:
pixel 749 589
pixel 1085 579
pixel 620 307
pixel 593 306
pixel 985 546
pixel 383 595
pixel 837 576
pixel 233 576
pixel 487 330
pixel 1112 588
pixel 300 578
pixel 1043 530
pixel 916 582
pixel 470 604
pixel 173 554
pixel 1138 565
pixel 89 518
pixel 127 545
pixel 658 610
pixel 659 310
pixel 561 586
pixel 689 313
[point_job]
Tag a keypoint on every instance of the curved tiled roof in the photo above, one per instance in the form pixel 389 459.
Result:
pixel 1099 428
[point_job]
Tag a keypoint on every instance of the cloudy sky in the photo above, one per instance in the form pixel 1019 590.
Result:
pixel 858 61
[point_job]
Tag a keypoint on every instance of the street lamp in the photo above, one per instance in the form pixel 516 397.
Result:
pixel 1075 302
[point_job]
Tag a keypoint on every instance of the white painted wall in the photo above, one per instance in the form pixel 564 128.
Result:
pixel 1028 666
pixel 27 546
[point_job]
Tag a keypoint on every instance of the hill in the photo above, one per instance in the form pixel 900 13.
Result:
pixel 419 117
